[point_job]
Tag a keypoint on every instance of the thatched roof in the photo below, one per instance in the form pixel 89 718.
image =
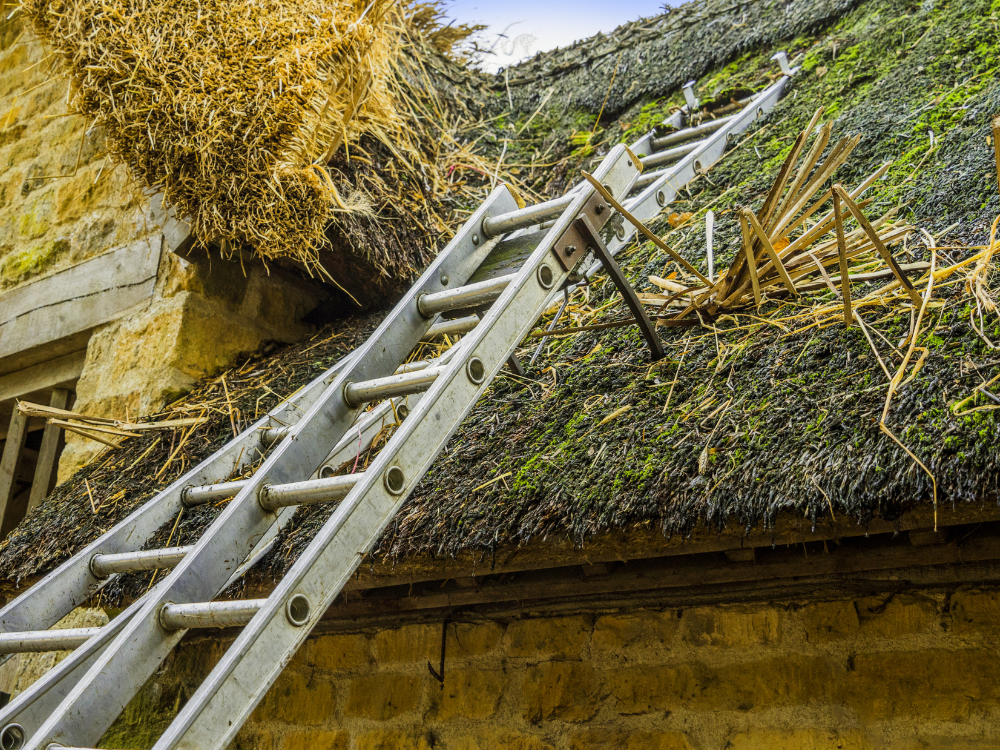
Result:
pixel 800 432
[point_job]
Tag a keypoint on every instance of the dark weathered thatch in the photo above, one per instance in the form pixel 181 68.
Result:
pixel 546 458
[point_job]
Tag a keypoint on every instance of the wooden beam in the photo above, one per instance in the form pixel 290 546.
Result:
pixel 48 454
pixel 79 298
pixel 16 433
pixel 56 372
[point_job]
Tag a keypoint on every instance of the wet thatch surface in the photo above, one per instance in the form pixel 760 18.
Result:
pixel 800 434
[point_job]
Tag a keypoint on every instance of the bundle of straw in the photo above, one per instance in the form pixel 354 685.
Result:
pixel 232 109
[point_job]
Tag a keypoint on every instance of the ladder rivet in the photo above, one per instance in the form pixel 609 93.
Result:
pixel 475 239
pixel 545 276
pixel 297 610
pixel 620 232
pixel 444 279
pixel 661 198
pixel 402 412
pixel 599 208
pixel 476 370
pixel 395 480
pixel 12 737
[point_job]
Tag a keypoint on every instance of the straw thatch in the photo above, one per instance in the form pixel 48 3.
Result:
pixel 231 109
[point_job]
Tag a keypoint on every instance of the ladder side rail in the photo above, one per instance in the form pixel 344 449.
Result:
pixel 225 699
pixel 647 204
pixel 23 715
pixel 119 673
pixel 72 583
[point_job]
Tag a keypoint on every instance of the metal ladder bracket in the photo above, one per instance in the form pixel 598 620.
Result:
pixel 574 243
pixel 596 246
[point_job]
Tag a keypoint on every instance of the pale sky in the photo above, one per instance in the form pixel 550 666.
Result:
pixel 539 25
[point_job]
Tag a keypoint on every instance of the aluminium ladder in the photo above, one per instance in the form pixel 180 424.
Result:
pixel 110 664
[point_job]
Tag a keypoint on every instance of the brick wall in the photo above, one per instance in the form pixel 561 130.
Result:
pixel 907 671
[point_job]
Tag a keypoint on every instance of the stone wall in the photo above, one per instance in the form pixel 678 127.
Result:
pixel 906 671
pixel 61 202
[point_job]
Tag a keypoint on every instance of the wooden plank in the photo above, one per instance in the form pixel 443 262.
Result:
pixel 40 377
pixel 48 454
pixel 80 297
pixel 16 433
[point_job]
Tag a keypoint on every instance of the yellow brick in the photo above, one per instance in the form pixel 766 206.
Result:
pixel 337 652
pixel 929 742
pixel 828 621
pixel 472 693
pixel 626 635
pixel 314 739
pixel 473 638
pixel 658 741
pixel 412 739
pixel 418 643
pixel 798 739
pixel 298 698
pixel 900 615
pixel 640 690
pixel 547 637
pixel 494 738
pixel 384 696
pixel 975 611
pixel 787 680
pixel 603 738
pixel 559 690
pixel 714 626
pixel 930 685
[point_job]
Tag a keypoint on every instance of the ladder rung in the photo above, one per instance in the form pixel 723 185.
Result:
pixel 45 640
pixel 672 139
pixel 494 226
pixel 192 496
pixel 356 394
pixel 452 327
pixel 669 156
pixel 209 614
pixel 470 295
pixel 272 435
pixel 122 562
pixel 310 492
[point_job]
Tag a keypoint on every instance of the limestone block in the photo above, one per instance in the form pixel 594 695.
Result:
pixel 716 626
pixel 413 739
pixel 985 741
pixel 486 737
pixel 642 690
pixel 467 639
pixel 336 652
pixel 548 637
pixel 384 696
pixel 975 611
pixel 472 693
pixel 934 684
pixel 830 621
pixel 298 697
pixel 630 636
pixel 561 690
pixel 799 739
pixel 601 738
pixel 314 739
pixel 410 643
pixel 903 614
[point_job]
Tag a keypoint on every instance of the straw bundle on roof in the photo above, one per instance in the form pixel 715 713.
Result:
pixel 231 108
